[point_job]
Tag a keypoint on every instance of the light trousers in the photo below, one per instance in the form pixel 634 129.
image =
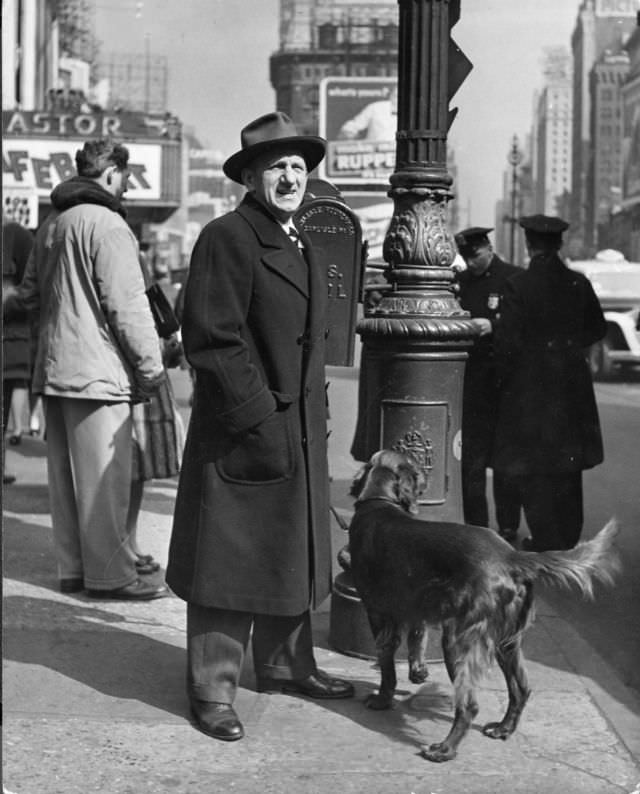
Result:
pixel 217 641
pixel 89 446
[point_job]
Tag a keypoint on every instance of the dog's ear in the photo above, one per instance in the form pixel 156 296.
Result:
pixel 407 488
pixel 359 481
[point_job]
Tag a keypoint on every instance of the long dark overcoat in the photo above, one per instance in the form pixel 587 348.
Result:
pixel 482 296
pixel 548 418
pixel 251 524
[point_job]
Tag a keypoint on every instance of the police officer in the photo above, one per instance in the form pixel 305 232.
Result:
pixel 481 287
pixel 548 427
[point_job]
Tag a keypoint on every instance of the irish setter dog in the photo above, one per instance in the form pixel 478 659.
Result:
pixel 411 574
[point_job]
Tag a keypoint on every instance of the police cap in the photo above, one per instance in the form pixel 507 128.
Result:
pixel 543 224
pixel 469 239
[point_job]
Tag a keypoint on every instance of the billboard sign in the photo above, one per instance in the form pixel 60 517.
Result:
pixel 39 164
pixel 20 205
pixel 358 117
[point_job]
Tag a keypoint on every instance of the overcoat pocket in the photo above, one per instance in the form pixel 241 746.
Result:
pixel 262 454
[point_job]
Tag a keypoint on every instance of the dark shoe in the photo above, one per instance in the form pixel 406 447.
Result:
pixel 146 568
pixel 72 585
pixel 218 720
pixel 510 535
pixel 8 479
pixel 15 441
pixel 527 544
pixel 317 685
pixel 136 591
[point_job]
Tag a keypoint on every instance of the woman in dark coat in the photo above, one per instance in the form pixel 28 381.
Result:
pixel 251 541
pixel 17 242
pixel 548 428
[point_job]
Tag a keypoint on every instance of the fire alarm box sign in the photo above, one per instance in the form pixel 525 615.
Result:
pixel 358 117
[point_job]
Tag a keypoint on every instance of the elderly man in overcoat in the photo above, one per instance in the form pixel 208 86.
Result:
pixel 250 548
pixel 548 427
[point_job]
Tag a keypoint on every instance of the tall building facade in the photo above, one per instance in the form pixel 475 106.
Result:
pixel 604 175
pixel 551 159
pixel 134 81
pixel 601 25
pixel 624 227
pixel 30 52
pixel 329 38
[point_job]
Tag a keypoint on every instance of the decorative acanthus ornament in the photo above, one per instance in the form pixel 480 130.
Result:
pixel 418 233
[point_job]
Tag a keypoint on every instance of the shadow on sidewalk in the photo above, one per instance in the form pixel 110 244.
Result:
pixel 98 649
pixel 27 498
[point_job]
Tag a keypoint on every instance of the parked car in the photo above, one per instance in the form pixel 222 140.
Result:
pixel 617 284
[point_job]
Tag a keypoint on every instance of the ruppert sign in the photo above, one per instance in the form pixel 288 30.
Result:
pixel 358 117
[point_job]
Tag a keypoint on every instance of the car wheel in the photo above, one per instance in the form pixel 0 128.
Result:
pixel 600 362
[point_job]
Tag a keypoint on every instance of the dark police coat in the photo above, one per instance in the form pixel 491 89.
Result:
pixel 548 418
pixel 482 296
pixel 251 523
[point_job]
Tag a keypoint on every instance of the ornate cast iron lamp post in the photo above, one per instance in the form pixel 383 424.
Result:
pixel 515 158
pixel 415 339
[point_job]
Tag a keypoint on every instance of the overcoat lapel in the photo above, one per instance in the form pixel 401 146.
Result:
pixel 280 254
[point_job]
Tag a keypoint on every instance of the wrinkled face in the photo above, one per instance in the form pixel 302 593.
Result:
pixel 278 181
pixel 480 259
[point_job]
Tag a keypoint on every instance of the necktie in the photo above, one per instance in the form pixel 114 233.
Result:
pixel 295 237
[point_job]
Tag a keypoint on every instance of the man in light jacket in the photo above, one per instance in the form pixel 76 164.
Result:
pixel 98 352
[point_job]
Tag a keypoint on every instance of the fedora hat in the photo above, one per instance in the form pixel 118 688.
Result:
pixel 269 132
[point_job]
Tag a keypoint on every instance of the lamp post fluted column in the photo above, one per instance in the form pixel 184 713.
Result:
pixel 414 341
pixel 416 337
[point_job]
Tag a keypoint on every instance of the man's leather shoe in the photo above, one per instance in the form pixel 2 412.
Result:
pixel 317 685
pixel 218 720
pixel 71 585
pixel 136 591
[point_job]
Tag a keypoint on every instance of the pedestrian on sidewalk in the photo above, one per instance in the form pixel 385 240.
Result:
pixel 158 430
pixel 481 288
pixel 251 544
pixel 17 242
pixel 548 427
pixel 98 352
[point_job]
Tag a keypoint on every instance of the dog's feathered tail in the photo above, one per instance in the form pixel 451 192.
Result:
pixel 590 561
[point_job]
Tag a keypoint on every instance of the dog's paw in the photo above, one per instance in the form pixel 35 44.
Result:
pixel 418 674
pixel 496 730
pixel 378 702
pixel 438 752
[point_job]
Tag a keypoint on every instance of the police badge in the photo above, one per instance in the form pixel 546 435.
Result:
pixel 493 301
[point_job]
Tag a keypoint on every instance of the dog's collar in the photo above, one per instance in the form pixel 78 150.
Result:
pixel 379 499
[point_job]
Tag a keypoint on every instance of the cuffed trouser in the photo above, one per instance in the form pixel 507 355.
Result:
pixel 89 470
pixel 217 640
pixel 553 508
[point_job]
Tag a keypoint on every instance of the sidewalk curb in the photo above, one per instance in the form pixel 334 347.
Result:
pixel 618 704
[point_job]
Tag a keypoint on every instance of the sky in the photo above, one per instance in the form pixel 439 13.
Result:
pixel 219 52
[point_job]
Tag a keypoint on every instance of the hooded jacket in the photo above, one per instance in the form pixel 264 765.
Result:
pixel 97 339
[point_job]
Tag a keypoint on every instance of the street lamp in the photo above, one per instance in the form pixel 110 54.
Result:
pixel 515 158
pixel 415 340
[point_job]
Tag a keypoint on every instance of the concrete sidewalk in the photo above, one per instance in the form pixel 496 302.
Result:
pixel 94 696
